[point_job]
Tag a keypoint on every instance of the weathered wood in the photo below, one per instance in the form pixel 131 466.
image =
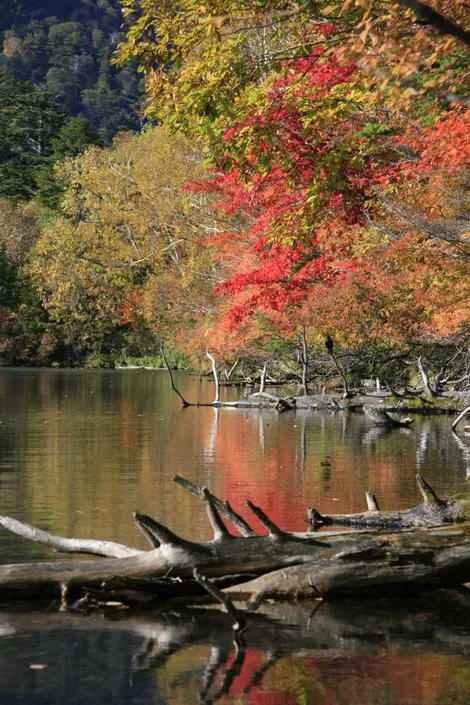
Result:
pixel 59 543
pixel 382 418
pixel 432 512
pixel 447 403
pixel 425 377
pixel 262 382
pixel 224 508
pixel 369 564
pixel 459 418
pixel 215 375
pixel 286 563
pixel 239 621
pixel 304 360
pixel 172 381
pixel 285 404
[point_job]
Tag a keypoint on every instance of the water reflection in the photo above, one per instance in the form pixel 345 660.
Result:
pixel 330 654
pixel 79 451
pixel 464 446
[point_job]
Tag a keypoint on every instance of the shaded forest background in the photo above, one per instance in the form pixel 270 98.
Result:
pixel 245 181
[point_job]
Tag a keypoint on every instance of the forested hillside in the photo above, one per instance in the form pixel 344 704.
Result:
pixel 64 47
pixel 309 175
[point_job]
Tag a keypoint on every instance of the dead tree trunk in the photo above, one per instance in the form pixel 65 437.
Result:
pixel 228 373
pixel 347 394
pixel 172 382
pixel 262 383
pixel 278 564
pixel 304 361
pixel 216 376
pixel 428 388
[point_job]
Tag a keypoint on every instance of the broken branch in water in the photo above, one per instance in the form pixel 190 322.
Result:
pixel 459 418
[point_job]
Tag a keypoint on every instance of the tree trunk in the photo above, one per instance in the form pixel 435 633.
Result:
pixel 279 564
pixel 216 376
pixel 430 391
pixel 304 361
pixel 262 383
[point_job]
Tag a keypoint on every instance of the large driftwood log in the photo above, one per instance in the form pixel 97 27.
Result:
pixel 279 564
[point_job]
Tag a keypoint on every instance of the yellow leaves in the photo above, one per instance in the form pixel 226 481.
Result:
pixel 365 32
pixel 19 229
pixel 128 227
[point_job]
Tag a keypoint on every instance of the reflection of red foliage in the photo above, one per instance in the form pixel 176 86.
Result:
pixel 264 477
pixel 242 690
pixel 358 681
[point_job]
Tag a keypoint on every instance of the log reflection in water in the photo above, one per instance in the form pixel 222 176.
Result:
pixel 314 633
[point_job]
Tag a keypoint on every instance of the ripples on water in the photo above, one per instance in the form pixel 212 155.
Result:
pixel 80 450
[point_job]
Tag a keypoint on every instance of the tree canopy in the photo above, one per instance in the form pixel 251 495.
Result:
pixel 309 173
pixel 340 131
pixel 127 249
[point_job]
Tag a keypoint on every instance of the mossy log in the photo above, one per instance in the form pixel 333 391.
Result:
pixel 253 566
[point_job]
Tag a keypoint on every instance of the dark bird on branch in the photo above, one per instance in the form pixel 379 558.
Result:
pixel 329 344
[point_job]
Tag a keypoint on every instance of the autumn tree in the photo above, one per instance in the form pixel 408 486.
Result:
pixel 126 251
pixel 202 61
pixel 312 115
pixel 23 321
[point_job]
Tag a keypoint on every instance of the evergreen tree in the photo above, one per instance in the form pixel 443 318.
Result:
pixel 66 46
pixel 29 120
pixel 73 138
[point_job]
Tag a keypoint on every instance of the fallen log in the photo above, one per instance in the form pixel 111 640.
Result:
pixel 279 564
pixel 447 403
pixel 431 512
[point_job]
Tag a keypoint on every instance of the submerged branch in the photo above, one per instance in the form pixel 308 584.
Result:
pixel 172 382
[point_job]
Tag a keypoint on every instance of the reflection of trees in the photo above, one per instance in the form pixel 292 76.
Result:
pixel 335 654
pixel 88 447
pixel 465 452
pixel 209 449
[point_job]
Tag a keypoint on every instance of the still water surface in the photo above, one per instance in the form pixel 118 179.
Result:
pixel 80 450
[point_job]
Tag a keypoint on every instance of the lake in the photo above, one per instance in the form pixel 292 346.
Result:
pixel 81 450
